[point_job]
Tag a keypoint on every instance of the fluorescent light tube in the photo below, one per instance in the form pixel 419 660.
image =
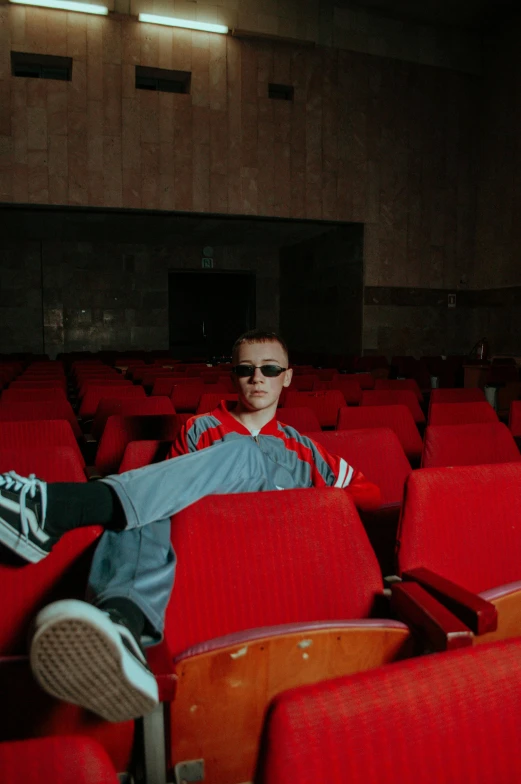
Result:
pixel 171 21
pixel 66 5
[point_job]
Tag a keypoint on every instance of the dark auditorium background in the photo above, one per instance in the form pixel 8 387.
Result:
pixel 343 211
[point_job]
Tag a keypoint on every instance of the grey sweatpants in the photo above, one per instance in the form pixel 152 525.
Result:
pixel 139 562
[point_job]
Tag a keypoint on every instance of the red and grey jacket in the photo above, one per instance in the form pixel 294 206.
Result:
pixel 308 462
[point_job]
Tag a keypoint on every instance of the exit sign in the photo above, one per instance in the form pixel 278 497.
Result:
pixel 207 263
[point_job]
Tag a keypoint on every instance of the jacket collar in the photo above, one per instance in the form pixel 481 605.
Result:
pixel 222 412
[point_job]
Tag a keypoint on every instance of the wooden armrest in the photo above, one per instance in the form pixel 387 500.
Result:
pixel 442 630
pixel 475 612
pixel 91 472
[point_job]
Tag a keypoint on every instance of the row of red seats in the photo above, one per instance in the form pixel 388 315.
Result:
pixel 310 620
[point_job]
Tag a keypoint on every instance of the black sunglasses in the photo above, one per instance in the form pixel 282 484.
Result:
pixel 270 371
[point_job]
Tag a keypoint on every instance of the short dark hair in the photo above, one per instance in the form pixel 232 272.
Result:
pixel 259 336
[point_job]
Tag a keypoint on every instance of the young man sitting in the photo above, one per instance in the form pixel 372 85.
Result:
pixel 89 653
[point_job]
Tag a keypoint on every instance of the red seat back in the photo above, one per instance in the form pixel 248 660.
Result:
pixel 304 382
pixel 95 392
pixel 427 720
pixel 326 405
pixel 398 418
pixel 45 433
pixel 514 421
pixel 120 430
pixel 464 523
pixel 461 413
pixel 302 419
pixel 329 572
pixel 40 409
pixel 399 384
pixel 377 453
pixel 129 406
pixel 471 395
pixel 211 400
pixel 393 397
pixel 349 387
pixel 21 395
pixel 450 445
pixel 186 397
pixel 52 464
pixel 141 453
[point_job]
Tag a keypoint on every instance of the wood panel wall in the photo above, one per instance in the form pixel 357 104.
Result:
pixel 367 139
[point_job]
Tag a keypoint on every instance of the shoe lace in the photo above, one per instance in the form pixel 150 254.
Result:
pixel 25 485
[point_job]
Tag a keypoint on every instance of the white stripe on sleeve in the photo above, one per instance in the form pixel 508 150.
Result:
pixel 348 477
pixel 342 471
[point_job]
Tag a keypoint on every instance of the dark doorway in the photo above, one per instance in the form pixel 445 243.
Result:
pixel 208 311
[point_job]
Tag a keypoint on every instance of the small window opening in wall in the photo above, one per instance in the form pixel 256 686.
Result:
pixel 281 92
pixel 162 80
pixel 41 66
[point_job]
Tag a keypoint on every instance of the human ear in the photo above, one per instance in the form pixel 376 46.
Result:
pixel 288 375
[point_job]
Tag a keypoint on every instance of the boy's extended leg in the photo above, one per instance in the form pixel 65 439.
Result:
pixel 32 518
pixel 90 653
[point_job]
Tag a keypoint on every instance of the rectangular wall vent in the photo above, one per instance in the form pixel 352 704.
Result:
pixel 41 66
pixel 162 79
pixel 280 92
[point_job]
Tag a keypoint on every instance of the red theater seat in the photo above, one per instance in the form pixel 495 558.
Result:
pixel 211 400
pixel 514 421
pixel 461 413
pixel 399 384
pixel 40 409
pixel 120 431
pixel 241 628
pixel 398 418
pixel 52 464
pixel 451 445
pixel 71 759
pixel 473 395
pixel 463 525
pixel 304 383
pixel 185 397
pixel 301 419
pixel 393 397
pixel 140 406
pixel 24 395
pixel 449 717
pixel 141 453
pixel 96 392
pixel 349 387
pixel 38 433
pixel 326 405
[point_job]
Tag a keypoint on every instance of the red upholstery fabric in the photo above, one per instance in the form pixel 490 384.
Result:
pixel 514 421
pixel 450 445
pixel 326 405
pixel 461 413
pixel 186 397
pixel 304 382
pixel 447 717
pixel 364 380
pixel 119 431
pixel 52 464
pixel 398 418
pixel 377 453
pixel 464 523
pixel 40 409
pixel 60 760
pixel 21 395
pixel 210 400
pixel 141 453
pixel 301 419
pixel 110 381
pixel 129 406
pixel 393 397
pixel 39 433
pixel 283 557
pixel 349 387
pixel 163 385
pixel 399 384
pixel 471 395
pixel 95 393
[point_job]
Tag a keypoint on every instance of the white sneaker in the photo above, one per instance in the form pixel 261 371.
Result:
pixel 83 655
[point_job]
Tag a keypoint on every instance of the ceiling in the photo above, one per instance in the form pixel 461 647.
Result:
pixel 78 224
pixel 469 14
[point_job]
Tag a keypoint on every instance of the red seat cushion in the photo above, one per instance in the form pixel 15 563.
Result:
pixel 392 397
pixel 461 413
pixel 398 418
pixel 326 405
